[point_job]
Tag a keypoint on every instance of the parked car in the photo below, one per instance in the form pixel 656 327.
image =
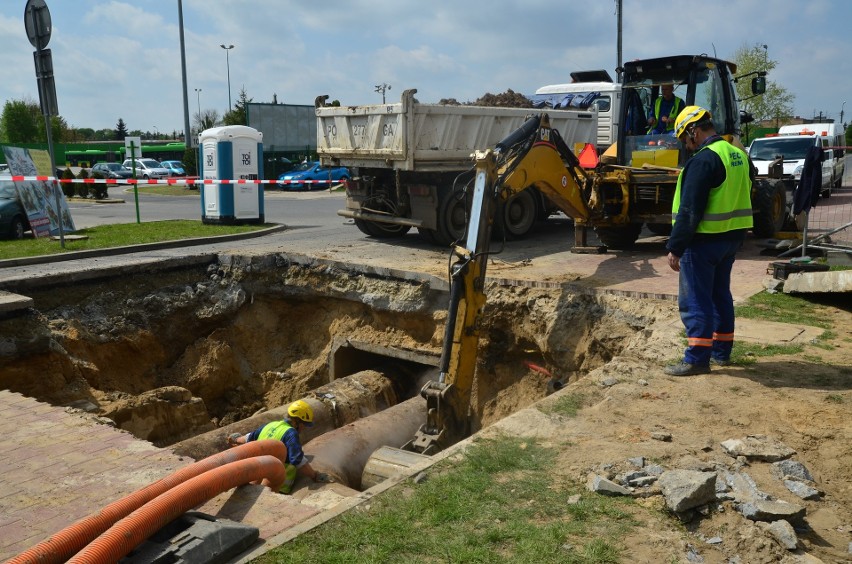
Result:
pixel 296 178
pixel 13 217
pixel 147 168
pixel 112 170
pixel 176 168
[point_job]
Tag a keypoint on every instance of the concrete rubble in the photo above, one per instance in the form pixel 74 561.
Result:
pixel 697 488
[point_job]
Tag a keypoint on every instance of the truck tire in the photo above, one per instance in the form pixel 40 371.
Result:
pixel 452 218
pixel 621 237
pixel 516 216
pixel 769 202
pixel 381 230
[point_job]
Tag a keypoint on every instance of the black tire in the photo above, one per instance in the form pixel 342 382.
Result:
pixel 769 202
pixel 664 229
pixel 17 228
pixel 621 237
pixel 452 218
pixel 516 216
pixel 381 230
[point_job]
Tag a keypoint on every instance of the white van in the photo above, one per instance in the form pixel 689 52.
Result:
pixel 793 142
pixel 604 96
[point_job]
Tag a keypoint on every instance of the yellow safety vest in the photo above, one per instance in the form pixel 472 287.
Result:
pixel 728 205
pixel 673 113
pixel 274 430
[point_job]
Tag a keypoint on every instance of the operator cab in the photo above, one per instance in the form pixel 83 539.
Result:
pixel 697 80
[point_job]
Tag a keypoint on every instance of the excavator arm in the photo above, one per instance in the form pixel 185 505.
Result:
pixel 533 155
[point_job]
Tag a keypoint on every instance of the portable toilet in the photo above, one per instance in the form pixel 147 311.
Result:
pixel 231 152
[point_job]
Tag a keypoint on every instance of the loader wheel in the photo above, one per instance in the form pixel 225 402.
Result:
pixel 516 216
pixel 621 237
pixel 769 202
pixel 660 228
pixel 381 230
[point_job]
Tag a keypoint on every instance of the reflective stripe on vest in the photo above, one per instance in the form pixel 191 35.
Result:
pixel 728 205
pixel 274 430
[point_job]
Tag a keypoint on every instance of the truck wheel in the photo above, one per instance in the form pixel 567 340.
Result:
pixel 516 216
pixel 452 218
pixel 621 237
pixel 660 228
pixel 769 202
pixel 381 230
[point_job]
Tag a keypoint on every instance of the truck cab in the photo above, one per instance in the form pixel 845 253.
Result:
pixel 588 90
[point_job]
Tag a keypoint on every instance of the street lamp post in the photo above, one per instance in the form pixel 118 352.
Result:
pixel 156 132
pixel 842 106
pixel 228 63
pixel 382 88
pixel 198 96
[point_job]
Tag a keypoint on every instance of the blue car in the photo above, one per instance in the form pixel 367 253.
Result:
pixel 176 168
pixel 311 176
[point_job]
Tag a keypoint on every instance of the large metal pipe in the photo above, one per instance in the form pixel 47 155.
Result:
pixel 343 453
pixel 335 404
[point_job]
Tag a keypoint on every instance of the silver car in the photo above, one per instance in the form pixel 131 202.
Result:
pixel 147 168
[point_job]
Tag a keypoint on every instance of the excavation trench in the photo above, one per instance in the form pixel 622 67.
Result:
pixel 183 355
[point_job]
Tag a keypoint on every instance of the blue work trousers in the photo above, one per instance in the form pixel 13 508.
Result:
pixel 704 299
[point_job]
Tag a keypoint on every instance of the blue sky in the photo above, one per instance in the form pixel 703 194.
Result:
pixel 114 58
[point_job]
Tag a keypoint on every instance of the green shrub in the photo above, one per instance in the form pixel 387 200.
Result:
pixel 99 191
pixel 68 187
pixel 81 189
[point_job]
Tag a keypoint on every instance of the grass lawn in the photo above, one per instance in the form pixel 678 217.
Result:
pixel 119 235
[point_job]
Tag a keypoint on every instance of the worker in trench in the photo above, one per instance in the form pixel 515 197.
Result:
pixel 299 415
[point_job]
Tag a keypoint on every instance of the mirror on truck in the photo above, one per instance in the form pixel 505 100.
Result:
pixel 758 85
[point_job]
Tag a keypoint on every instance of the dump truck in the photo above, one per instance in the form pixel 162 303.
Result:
pixel 411 161
pixel 633 183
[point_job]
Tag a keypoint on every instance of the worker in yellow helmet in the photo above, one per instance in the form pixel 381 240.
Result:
pixel 712 212
pixel 299 416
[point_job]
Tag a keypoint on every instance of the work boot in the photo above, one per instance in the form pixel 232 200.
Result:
pixel 686 369
pixel 720 361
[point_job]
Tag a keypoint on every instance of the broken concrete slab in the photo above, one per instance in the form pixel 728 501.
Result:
pixel 758 447
pixel 836 281
pixel 791 469
pixel 685 489
pixel 764 510
pixel 601 485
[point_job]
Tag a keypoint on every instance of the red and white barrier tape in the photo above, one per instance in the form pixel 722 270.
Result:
pixel 177 181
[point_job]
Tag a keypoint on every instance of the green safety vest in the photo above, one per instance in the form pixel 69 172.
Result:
pixel 728 206
pixel 274 430
pixel 673 113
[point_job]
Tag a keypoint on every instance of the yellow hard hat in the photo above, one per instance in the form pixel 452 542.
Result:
pixel 300 409
pixel 689 115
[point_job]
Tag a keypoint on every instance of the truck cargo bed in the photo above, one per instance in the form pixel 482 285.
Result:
pixel 409 136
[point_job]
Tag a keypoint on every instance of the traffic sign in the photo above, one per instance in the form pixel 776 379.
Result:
pixel 37 23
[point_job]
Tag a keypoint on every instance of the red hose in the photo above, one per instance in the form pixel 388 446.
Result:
pixel 68 542
pixel 128 533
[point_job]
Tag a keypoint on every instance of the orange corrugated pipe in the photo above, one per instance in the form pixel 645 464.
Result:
pixel 70 540
pixel 128 533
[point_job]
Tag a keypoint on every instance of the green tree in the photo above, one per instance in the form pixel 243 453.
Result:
pixel 239 114
pixel 776 105
pixel 19 123
pixel 120 130
pixel 205 120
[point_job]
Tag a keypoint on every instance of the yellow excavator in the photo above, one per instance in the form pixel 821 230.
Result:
pixel 632 185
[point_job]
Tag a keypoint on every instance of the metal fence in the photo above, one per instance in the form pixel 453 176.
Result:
pixel 829 223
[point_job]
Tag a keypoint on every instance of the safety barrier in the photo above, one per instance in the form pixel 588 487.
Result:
pixel 177 181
